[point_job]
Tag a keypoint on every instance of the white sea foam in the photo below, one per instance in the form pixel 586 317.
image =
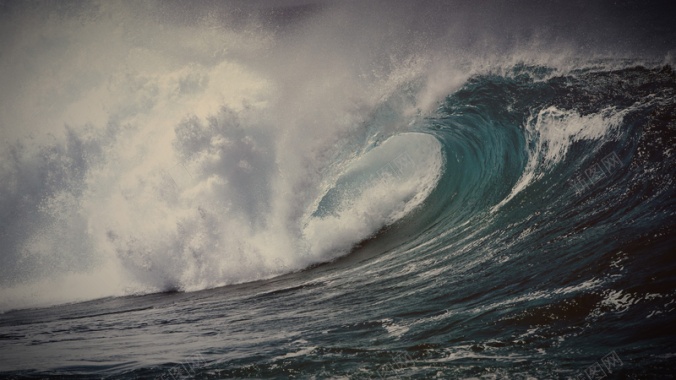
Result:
pixel 551 132
pixel 195 149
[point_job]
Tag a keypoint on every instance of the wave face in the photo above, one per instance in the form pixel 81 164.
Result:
pixel 486 212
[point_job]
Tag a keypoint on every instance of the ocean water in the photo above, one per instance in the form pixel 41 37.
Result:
pixel 337 190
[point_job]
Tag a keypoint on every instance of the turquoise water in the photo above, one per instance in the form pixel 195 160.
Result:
pixel 258 193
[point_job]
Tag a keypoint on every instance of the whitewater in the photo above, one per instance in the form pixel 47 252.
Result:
pixel 309 189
